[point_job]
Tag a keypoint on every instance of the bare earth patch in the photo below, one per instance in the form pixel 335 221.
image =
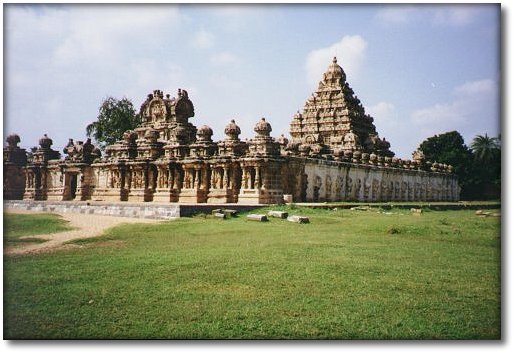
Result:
pixel 86 226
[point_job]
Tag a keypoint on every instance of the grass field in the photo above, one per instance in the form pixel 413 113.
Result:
pixel 346 275
pixel 18 228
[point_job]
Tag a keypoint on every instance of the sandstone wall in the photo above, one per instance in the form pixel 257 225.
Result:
pixel 339 181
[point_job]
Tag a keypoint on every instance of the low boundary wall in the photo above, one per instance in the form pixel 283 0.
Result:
pixel 121 209
pixel 171 211
pixel 103 209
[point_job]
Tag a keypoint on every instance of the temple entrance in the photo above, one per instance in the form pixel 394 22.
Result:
pixel 73 186
pixel 70 186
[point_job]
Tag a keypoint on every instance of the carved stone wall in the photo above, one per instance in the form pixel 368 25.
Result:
pixel 339 181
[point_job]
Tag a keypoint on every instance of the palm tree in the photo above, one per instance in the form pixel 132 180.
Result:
pixel 485 148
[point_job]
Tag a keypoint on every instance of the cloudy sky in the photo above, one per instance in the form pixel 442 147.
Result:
pixel 419 70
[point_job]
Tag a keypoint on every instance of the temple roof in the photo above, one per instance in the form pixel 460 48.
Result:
pixel 333 114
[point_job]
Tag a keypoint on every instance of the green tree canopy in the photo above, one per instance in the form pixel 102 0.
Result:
pixel 478 168
pixel 114 118
pixel 448 148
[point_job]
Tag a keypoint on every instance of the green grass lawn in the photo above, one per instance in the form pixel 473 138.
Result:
pixel 19 227
pixel 346 275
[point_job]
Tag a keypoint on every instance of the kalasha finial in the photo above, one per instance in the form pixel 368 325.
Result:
pixel 263 128
pixel 232 131
pixel 334 60
pixel 45 142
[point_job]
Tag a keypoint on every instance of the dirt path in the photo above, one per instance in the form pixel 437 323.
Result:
pixel 87 226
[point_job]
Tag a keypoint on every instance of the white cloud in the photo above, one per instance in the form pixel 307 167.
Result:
pixel 203 40
pixel 486 86
pixel 388 125
pixel 473 110
pixel 223 81
pixel 65 59
pixel 236 17
pixel 103 33
pixel 438 15
pixel 396 14
pixel 440 115
pixel 350 51
pixel 455 16
pixel 223 58
pixel 382 111
pixel 148 74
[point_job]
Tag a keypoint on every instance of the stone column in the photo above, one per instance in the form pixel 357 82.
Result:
pixel 213 178
pixel 226 176
pixel 197 181
pixel 29 180
pixel 172 173
pixel 257 177
pixel 204 178
pixel 244 181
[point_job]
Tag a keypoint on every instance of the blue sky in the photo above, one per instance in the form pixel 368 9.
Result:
pixel 419 70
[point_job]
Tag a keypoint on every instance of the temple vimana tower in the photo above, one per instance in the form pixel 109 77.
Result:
pixel 334 120
pixel 334 154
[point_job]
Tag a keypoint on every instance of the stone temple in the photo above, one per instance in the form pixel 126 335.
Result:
pixel 334 154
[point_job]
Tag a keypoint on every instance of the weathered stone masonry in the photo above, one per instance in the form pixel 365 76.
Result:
pixel 335 154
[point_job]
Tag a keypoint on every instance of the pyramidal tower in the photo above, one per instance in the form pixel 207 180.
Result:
pixel 334 121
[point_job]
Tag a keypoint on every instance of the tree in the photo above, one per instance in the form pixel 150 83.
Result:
pixel 487 165
pixel 485 148
pixel 450 148
pixel 114 118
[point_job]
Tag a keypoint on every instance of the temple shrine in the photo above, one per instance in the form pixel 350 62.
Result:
pixel 334 154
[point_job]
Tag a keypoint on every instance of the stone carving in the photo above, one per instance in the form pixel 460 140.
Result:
pixel 328 187
pixel 366 189
pixel 81 152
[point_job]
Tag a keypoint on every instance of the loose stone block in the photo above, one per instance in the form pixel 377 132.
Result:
pixel 360 208
pixel 416 211
pixel 219 215
pixel 278 214
pixel 216 210
pixel 287 198
pixel 298 219
pixel 257 217
pixel 232 213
